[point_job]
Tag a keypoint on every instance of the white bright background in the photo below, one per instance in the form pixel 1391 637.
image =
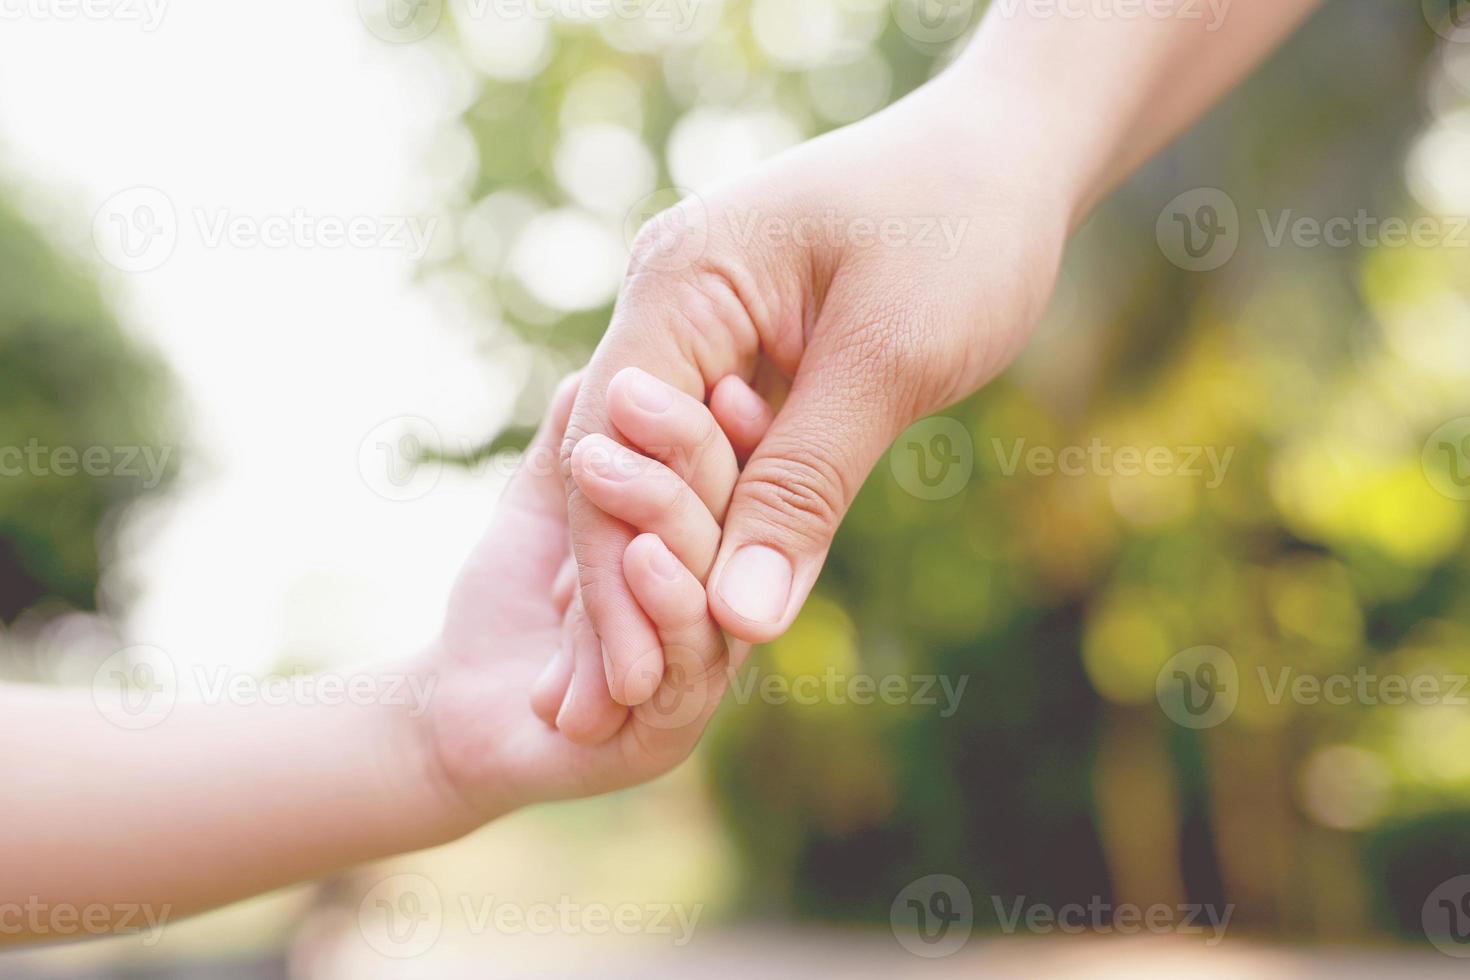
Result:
pixel 274 544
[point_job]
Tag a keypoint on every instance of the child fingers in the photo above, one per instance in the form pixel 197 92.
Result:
pixel 678 430
pixel 564 586
pixel 650 497
pixel 673 598
pixel 694 647
pixel 742 414
pixel 550 689
pixel 588 715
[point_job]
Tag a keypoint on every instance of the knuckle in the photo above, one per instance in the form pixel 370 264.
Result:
pixel 703 312
pixel 575 433
pixel 705 438
pixel 801 495
pixel 667 494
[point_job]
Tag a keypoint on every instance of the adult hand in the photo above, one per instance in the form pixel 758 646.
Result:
pixel 883 271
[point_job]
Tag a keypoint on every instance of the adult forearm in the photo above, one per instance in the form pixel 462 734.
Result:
pixel 1106 84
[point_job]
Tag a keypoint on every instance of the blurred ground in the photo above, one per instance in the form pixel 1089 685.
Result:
pixel 801 954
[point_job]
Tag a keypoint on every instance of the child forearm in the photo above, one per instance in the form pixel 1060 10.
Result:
pixel 210 804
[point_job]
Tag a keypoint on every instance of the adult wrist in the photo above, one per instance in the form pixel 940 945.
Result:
pixel 1058 147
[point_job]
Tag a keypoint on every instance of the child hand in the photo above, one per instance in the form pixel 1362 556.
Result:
pixel 521 712
pixel 674 497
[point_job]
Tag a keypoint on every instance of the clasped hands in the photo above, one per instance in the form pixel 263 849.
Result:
pixel 682 494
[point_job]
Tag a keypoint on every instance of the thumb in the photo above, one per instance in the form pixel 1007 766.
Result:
pixel 845 407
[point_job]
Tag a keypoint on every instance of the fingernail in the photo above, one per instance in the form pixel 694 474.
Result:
pixel 609 461
pixel 650 394
pixel 566 705
pixel 756 583
pixel 665 565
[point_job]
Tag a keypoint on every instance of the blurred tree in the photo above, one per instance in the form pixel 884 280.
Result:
pixel 70 379
pixel 1322 548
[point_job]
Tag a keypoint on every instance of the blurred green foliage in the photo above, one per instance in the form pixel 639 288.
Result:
pixel 70 379
pixel 1326 549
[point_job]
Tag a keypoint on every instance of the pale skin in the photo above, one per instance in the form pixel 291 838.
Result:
pixel 557 679
pixel 220 801
pixel 1016 142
